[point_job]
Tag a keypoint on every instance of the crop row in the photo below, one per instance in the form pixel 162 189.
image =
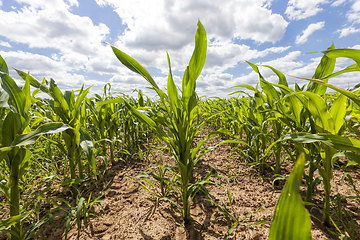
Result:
pixel 68 140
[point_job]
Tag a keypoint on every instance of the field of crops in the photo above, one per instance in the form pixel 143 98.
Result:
pixel 269 162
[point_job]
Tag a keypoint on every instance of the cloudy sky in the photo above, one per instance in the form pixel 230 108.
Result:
pixel 64 39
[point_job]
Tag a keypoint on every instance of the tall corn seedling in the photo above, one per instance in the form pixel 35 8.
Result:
pixel 179 122
pixel 15 133
pixel 71 110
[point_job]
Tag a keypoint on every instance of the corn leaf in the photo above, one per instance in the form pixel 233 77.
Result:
pixel 15 93
pixel 196 65
pixel 4 98
pixel 347 93
pixel 353 68
pixel 282 78
pixel 338 112
pixel 249 87
pixel 198 58
pixel 30 138
pixel 134 66
pixel 146 120
pixel 334 141
pixel 354 54
pixel 3 67
pixel 87 145
pixel 33 82
pixel 172 91
pixel 325 68
pixel 291 219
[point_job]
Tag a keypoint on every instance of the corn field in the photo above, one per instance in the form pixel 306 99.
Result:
pixel 56 150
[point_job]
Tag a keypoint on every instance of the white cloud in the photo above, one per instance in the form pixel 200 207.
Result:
pixel 156 26
pixel 41 66
pixel 224 55
pixel 301 9
pixel 338 3
pixel 169 24
pixel 33 63
pixel 353 15
pixel 347 31
pixel 0 3
pixel 301 39
pixel 49 24
pixel 5 44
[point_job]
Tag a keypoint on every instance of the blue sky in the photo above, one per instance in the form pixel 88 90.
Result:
pixel 64 39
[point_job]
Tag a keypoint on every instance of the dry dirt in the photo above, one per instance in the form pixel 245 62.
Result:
pixel 131 213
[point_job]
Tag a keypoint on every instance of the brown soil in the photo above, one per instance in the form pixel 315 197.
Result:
pixel 131 213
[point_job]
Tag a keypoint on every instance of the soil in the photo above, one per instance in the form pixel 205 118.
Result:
pixel 131 213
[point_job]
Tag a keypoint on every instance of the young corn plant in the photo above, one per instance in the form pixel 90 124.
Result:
pixel 179 121
pixel 327 121
pixel 291 219
pixel 158 180
pixel 15 134
pixel 71 110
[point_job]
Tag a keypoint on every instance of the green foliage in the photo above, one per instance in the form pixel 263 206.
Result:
pixel 266 125
pixel 180 119
pixel 291 219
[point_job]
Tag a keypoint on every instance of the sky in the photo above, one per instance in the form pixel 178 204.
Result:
pixel 65 40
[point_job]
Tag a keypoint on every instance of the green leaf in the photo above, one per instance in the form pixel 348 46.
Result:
pixel 87 145
pixel 30 138
pixel 353 68
pixel 353 156
pixel 3 67
pixel 172 91
pixel 33 82
pixel 26 91
pixel 134 66
pixel 195 67
pixel 16 95
pixel 146 120
pixel 282 78
pixel 4 98
pixel 338 112
pixel 354 54
pixel 318 109
pixel 334 141
pixel 60 106
pixel 349 94
pixel 11 128
pixel 325 68
pixel 198 58
pixel 291 219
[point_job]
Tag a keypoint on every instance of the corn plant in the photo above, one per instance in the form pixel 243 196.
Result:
pixel 158 180
pixel 71 110
pixel 291 219
pixel 327 122
pixel 261 118
pixel 14 136
pixel 179 120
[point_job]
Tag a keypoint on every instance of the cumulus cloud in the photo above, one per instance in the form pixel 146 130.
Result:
pixel 347 31
pixel 156 26
pixel 301 9
pixel 169 24
pixel 41 66
pixel 5 44
pixel 338 3
pixel 353 15
pixel 301 39
pixel 353 18
pixel 50 24
pixel 76 41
